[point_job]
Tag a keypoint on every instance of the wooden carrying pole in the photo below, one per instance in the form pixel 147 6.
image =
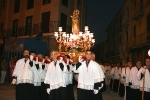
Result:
pixel 143 86
pixel 125 86
pixel 119 82
pixel 113 83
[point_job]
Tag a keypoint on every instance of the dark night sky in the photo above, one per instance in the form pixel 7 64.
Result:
pixel 99 15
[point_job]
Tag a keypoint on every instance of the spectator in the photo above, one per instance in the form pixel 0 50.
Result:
pixel 3 70
pixel 11 67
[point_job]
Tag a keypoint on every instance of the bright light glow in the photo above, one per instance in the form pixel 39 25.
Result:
pixel 64 34
pixel 148 52
pixel 60 29
pixel 86 28
pixel 56 34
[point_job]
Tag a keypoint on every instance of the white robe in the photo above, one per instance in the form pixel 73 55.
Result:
pixel 114 74
pixel 147 79
pixel 121 78
pixel 42 72
pixel 55 77
pixel 134 79
pixel 23 71
pixel 37 78
pixel 107 76
pixel 89 75
pixel 125 73
pixel 69 75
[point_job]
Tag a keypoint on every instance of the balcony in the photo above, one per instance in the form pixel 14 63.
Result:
pixel 31 30
pixel 139 41
pixel 147 3
pixel 126 22
pixel 138 11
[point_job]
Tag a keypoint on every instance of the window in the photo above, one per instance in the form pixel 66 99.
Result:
pixel 120 28
pixel 15 28
pixel 30 4
pixel 45 1
pixel 65 3
pixel 16 6
pixel 135 2
pixel 28 27
pixel 63 21
pixel 134 31
pixel 148 23
pixel 45 22
pixel 127 35
pixel 114 31
pixel 3 4
pixel 120 39
pixel 1 27
pixel 78 2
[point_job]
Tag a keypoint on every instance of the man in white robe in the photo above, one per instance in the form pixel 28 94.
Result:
pixel 23 77
pixel 107 76
pixel 144 77
pixel 115 77
pixel 90 78
pixel 134 82
pixel 125 74
pixel 42 69
pixel 55 79
pixel 121 84
pixel 69 79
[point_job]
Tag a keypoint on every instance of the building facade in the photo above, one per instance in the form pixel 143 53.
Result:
pixel 129 33
pixel 29 18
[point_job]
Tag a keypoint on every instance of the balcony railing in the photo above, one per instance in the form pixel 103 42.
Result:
pixel 138 11
pixel 30 30
pixel 148 3
pixel 139 41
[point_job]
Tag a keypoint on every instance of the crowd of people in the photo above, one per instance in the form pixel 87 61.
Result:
pixel 6 69
pixel 130 82
pixel 39 77
pixel 51 78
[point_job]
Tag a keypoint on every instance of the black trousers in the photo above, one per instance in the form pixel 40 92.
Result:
pixel 37 92
pixel 88 95
pixel 136 94
pixel 44 95
pixel 121 90
pixel 70 92
pixel 115 85
pixel 58 94
pixel 129 94
pixel 24 91
pixel 146 95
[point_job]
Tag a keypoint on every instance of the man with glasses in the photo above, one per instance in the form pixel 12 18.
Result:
pixel 55 80
pixel 90 78
pixel 144 77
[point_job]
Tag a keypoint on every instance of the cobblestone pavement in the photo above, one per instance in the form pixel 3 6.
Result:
pixel 7 92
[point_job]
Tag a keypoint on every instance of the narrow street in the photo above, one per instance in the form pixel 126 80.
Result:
pixel 7 92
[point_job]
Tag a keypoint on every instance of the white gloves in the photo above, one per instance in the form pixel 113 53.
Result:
pixel 101 86
pixel 80 59
pixel 67 61
pixel 61 59
pixel 31 57
pixel 143 71
pixel 36 62
pixel 13 82
pixel 48 90
pixel 95 91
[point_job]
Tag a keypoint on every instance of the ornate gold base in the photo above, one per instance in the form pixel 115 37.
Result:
pixel 74 54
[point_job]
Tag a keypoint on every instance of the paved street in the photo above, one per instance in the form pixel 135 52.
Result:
pixel 7 92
